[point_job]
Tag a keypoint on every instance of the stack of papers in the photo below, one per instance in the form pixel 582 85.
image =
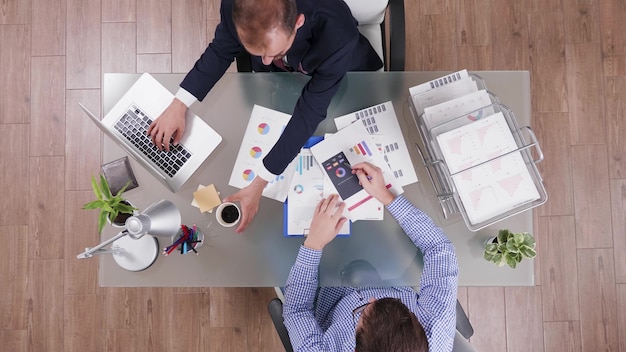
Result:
pixel 372 134
pixel 380 121
pixel 308 188
pixel 488 171
pixel 337 153
pixel 489 181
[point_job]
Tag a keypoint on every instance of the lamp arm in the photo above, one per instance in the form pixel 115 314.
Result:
pixel 89 252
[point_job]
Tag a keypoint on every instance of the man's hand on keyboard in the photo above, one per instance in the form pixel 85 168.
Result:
pixel 170 124
pixel 249 198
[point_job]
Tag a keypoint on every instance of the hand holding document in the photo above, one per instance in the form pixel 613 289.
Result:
pixel 337 153
pixel 372 179
pixel 306 191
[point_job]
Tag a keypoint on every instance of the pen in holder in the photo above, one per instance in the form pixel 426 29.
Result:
pixel 187 240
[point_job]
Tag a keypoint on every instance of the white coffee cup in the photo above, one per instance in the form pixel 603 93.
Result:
pixel 228 214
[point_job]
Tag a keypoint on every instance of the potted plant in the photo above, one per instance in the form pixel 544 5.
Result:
pixel 112 207
pixel 509 248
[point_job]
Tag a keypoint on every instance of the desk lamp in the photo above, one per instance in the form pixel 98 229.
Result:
pixel 135 248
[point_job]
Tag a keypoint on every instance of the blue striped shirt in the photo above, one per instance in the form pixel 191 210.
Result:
pixel 327 325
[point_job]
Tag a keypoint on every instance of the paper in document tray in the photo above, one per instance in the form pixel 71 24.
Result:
pixel 478 159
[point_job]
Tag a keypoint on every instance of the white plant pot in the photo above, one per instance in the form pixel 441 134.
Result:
pixel 121 225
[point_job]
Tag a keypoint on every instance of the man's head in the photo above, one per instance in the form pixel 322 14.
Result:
pixel 388 325
pixel 267 28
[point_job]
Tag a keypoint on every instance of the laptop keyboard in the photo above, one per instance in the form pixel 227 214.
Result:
pixel 134 126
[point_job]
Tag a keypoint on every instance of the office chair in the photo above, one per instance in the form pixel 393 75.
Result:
pixel 463 327
pixel 372 16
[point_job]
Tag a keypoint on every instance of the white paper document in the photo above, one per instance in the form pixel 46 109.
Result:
pixel 471 107
pixel 381 122
pixel 306 191
pixel 502 183
pixel 439 95
pixel 336 153
pixel 438 82
pixel 264 129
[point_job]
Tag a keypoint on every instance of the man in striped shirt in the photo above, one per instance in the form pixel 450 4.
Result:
pixel 373 318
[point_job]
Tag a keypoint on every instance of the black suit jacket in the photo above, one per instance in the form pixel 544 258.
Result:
pixel 326 47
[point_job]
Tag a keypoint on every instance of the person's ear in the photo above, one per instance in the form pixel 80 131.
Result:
pixel 299 21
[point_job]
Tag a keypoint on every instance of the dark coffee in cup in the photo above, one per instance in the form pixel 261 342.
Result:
pixel 230 214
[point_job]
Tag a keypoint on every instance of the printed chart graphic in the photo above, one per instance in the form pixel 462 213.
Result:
pixel 340 173
pixel 304 163
pixel 248 175
pixel 306 191
pixel 381 123
pixel 490 176
pixel 263 130
pixel 256 152
pixel 361 149
pixel 298 189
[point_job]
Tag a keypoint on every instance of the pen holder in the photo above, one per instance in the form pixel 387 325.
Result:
pixel 187 240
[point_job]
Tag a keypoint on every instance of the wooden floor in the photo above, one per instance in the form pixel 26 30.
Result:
pixel 53 54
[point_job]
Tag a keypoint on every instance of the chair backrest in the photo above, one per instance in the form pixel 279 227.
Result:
pixel 371 15
pixel 368 11
pixel 461 344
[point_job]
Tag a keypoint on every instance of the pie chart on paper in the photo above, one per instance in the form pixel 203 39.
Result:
pixel 264 128
pixel 256 152
pixel 248 175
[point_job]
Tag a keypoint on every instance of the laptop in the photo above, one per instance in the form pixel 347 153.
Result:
pixel 127 124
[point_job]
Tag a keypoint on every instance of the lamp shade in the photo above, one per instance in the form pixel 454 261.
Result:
pixel 161 218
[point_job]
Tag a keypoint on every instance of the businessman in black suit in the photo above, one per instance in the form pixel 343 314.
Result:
pixel 317 38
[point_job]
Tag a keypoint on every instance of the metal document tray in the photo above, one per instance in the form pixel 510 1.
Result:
pixel 442 178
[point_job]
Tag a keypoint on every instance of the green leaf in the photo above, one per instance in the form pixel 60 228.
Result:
pixel 107 207
pixel 491 248
pixel 96 204
pixel 102 220
pixel 105 187
pixel 511 246
pixel 529 240
pixel 488 256
pixel 115 202
pixel 113 215
pixel 503 236
pixel 119 193
pixel 511 262
pixel 518 238
pixel 96 188
pixel 528 252
pixel 125 208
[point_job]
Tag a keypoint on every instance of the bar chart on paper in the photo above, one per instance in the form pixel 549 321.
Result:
pixel 381 123
pixel 361 149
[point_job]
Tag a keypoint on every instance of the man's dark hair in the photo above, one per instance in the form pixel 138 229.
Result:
pixel 390 326
pixel 255 18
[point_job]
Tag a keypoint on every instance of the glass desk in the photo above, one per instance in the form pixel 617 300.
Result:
pixel 262 256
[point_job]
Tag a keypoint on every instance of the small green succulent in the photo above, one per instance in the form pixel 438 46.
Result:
pixel 510 248
pixel 110 205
